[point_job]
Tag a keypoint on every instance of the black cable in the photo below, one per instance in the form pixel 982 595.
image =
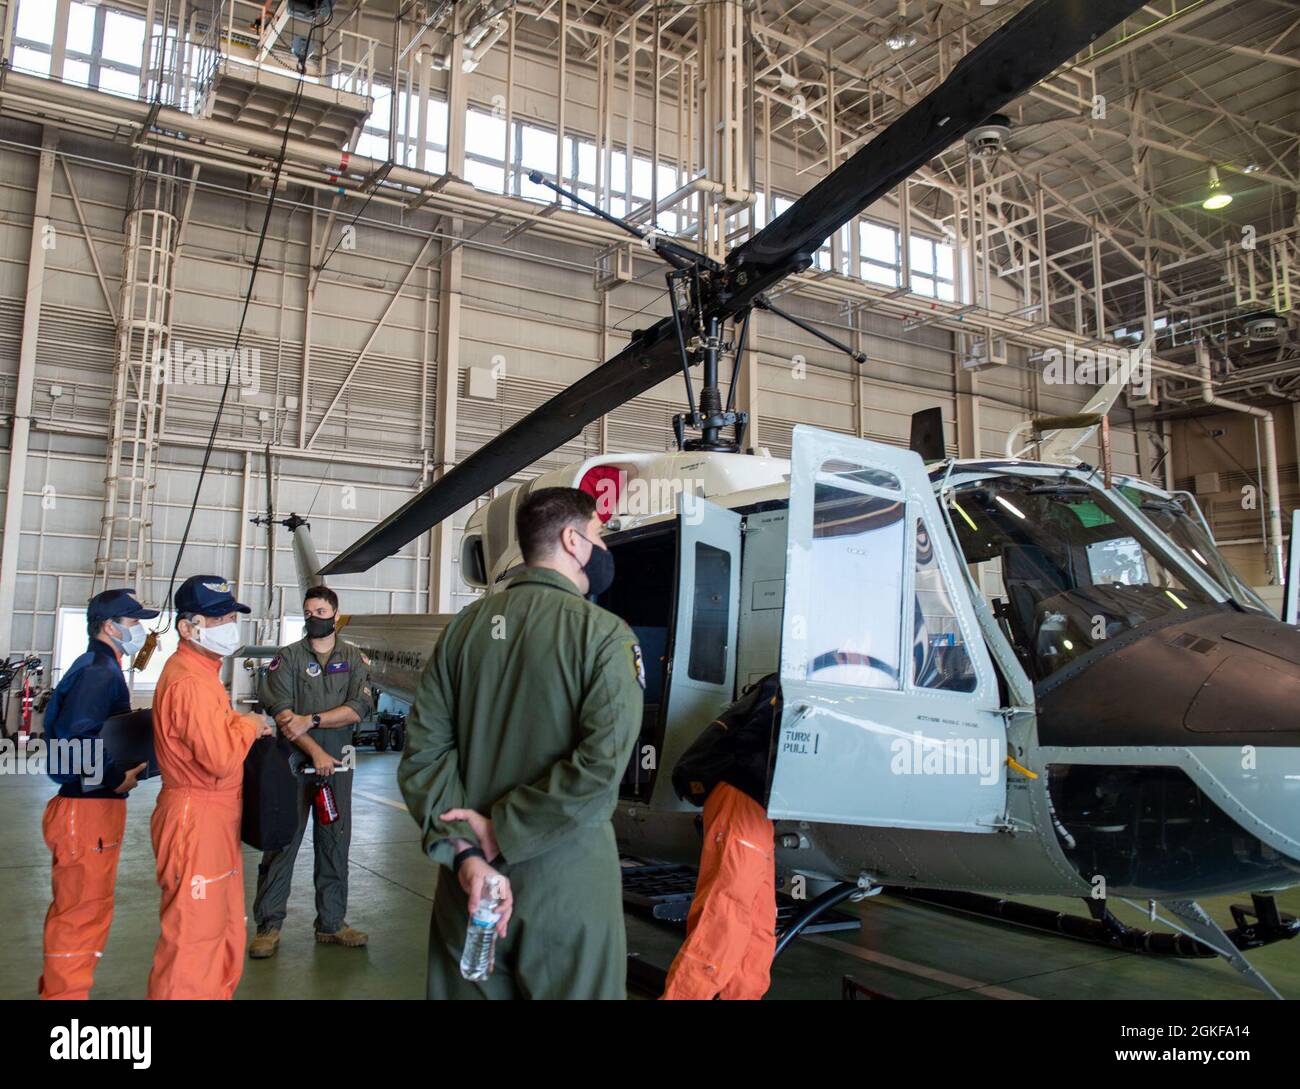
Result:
pixel 243 317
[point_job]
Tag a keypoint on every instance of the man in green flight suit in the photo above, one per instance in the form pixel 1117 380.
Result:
pixel 521 729
pixel 316 690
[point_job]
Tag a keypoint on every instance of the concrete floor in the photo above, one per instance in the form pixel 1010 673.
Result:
pixel 902 949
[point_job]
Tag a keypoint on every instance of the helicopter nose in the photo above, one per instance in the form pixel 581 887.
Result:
pixel 1217 679
pixel 1214 700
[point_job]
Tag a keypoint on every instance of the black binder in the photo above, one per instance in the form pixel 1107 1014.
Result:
pixel 128 741
pixel 271 792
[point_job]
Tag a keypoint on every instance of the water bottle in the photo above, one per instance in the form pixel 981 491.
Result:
pixel 481 935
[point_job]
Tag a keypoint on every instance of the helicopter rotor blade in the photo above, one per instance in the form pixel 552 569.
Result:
pixel 643 364
pixel 1006 64
pixel 1024 50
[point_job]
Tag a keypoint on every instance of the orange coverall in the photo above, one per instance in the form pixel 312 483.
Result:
pixel 84 836
pixel 201 742
pixel 731 928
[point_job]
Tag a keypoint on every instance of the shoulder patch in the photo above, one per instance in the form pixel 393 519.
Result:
pixel 275 664
pixel 638 665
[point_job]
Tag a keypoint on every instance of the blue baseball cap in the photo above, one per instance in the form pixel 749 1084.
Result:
pixel 207 595
pixel 114 603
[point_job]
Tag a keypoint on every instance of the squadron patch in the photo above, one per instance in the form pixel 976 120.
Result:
pixel 638 665
pixel 313 669
pixel 275 664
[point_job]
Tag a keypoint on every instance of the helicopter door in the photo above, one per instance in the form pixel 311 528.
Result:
pixel 702 652
pixel 891 713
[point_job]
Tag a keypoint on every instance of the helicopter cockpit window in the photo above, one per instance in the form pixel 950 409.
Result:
pixel 939 655
pixel 856 571
pixel 1075 568
pixel 1173 516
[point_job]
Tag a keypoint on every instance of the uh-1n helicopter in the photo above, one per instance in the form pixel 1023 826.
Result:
pixel 999 675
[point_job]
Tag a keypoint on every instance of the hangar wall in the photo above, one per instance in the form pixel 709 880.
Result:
pixel 529 308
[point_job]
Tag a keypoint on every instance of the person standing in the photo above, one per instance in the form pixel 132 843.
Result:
pixel 316 690
pixel 201 742
pixel 85 821
pixel 522 726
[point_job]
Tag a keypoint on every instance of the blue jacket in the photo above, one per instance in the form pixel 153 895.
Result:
pixel 92 690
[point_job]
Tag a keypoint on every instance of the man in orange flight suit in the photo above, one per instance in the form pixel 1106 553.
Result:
pixel 731 927
pixel 85 821
pixel 201 742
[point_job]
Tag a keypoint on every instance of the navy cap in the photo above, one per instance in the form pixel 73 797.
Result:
pixel 207 595
pixel 114 603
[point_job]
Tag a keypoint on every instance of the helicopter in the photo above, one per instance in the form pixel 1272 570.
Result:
pixel 1000 676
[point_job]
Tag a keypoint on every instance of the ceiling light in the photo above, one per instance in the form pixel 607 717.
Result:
pixel 1250 168
pixel 1216 197
pixel 900 37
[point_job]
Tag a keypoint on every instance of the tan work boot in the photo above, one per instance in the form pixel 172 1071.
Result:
pixel 265 944
pixel 345 935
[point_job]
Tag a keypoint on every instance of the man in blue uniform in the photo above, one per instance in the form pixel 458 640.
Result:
pixel 84 822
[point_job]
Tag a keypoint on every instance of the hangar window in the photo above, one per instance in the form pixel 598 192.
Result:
pixel 102 47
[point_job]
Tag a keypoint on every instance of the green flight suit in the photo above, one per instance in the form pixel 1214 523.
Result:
pixel 298 680
pixel 527 712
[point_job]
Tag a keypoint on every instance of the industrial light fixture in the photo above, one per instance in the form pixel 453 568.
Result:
pixel 1250 168
pixel 1216 197
pixel 900 37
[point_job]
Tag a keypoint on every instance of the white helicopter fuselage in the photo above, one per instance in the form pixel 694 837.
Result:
pixel 714 555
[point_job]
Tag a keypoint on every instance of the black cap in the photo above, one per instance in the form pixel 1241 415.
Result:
pixel 114 603
pixel 207 595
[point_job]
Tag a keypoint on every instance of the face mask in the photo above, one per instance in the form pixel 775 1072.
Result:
pixel 222 639
pixel 317 627
pixel 599 568
pixel 134 639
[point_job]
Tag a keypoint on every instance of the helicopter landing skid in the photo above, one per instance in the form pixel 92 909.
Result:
pixel 1197 924
pixel 1197 935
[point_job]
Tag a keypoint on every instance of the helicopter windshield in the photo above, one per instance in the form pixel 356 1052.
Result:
pixel 1189 533
pixel 1075 568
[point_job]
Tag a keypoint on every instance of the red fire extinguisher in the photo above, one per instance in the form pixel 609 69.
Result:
pixel 327 809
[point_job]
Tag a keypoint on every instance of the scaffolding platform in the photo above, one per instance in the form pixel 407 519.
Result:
pixel 260 97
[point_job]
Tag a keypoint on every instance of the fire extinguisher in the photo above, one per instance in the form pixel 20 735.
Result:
pixel 327 808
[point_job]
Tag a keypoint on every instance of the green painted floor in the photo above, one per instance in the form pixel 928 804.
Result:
pixel 902 949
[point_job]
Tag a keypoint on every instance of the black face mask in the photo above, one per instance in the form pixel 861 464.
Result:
pixel 317 627
pixel 599 568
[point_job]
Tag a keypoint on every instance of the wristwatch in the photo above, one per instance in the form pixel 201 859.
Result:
pixel 315 722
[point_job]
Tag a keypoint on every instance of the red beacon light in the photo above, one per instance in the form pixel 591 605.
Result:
pixel 604 483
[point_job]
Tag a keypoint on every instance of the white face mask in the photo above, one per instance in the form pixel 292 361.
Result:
pixel 222 639
pixel 132 640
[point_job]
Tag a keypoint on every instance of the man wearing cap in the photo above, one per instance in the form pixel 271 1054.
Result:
pixel 316 690
pixel 84 822
pixel 201 742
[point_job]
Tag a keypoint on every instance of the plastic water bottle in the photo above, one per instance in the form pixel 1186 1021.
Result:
pixel 477 960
